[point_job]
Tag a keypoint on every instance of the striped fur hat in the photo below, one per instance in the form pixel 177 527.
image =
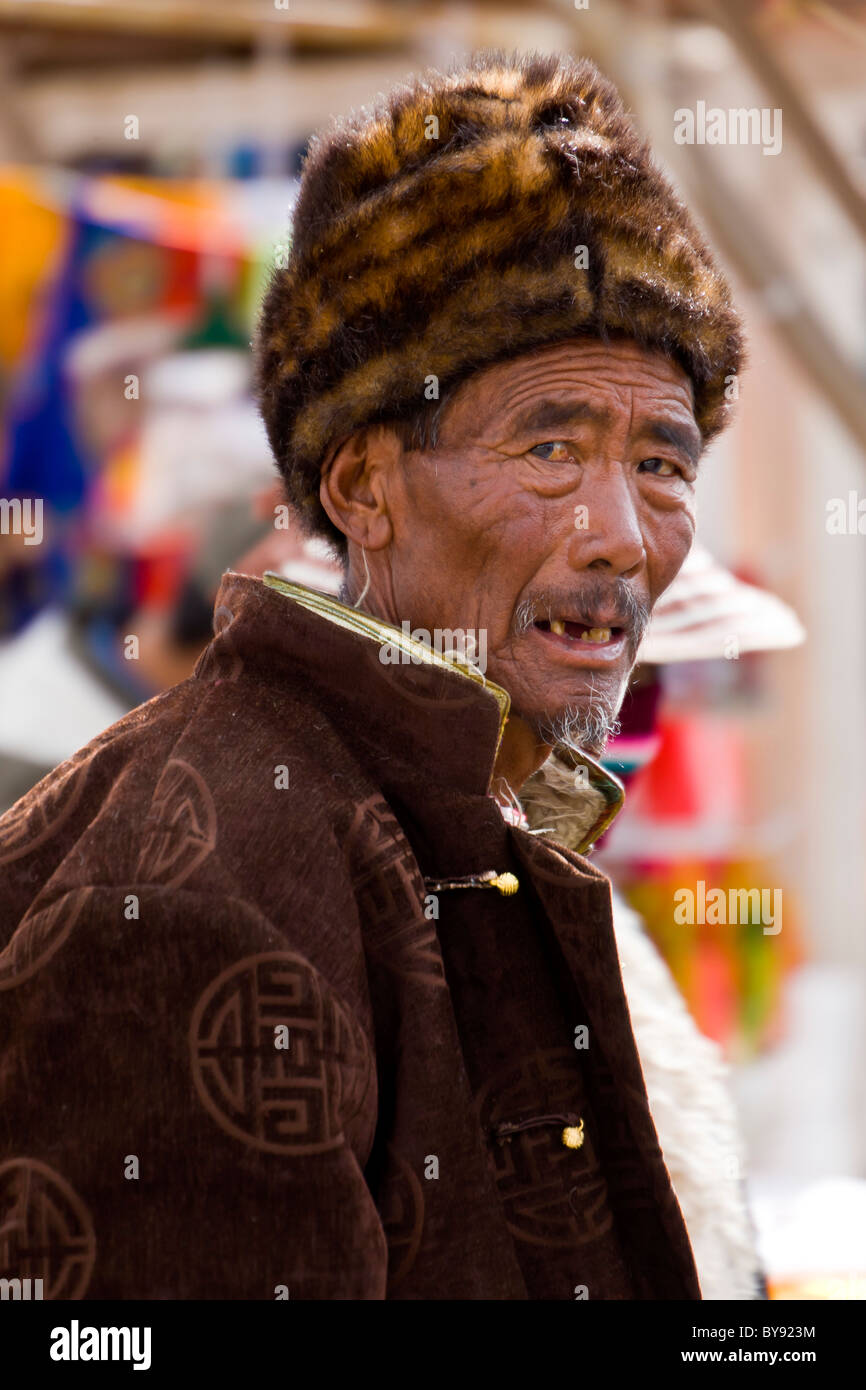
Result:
pixel 439 233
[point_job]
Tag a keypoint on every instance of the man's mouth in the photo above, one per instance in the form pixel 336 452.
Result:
pixel 584 646
pixel 580 632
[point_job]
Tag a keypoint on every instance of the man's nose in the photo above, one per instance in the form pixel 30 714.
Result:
pixel 607 534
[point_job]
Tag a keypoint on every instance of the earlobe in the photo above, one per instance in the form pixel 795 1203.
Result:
pixel 353 490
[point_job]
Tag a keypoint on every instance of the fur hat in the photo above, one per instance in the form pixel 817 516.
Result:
pixel 437 234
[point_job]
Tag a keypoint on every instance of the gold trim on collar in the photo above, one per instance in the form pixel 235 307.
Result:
pixel 379 631
pixel 605 782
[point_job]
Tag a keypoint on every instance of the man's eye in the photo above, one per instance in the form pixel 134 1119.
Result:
pixel 554 452
pixel 660 468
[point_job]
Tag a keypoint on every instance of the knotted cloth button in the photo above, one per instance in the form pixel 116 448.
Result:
pixel 506 883
pixel 572 1136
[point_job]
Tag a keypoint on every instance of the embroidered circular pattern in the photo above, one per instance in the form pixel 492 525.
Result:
pixel 553 1196
pixel 37 938
pixel 297 1100
pixel 401 1207
pixel 180 828
pixel 46 1231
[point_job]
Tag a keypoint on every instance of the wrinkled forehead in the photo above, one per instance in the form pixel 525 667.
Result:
pixel 581 380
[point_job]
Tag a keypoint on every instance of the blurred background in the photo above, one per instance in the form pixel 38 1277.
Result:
pixel 149 154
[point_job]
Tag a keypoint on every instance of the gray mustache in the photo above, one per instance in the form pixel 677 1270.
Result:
pixel 631 613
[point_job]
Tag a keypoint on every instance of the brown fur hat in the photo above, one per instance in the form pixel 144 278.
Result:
pixel 436 234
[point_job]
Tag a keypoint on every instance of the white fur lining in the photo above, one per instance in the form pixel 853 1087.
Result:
pixel 684 1072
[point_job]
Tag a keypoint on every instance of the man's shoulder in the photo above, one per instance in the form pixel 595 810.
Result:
pixel 210 785
pixel 221 729
pixel 71 790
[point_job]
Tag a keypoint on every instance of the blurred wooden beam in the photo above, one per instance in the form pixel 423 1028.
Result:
pixel 334 24
pixel 737 234
pixel 735 16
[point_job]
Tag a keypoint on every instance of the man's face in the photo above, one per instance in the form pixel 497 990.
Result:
pixel 556 508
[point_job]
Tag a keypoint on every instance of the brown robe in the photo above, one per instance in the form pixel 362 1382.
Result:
pixel 240 1054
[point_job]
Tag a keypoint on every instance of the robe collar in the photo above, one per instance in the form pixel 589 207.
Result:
pixel 444 712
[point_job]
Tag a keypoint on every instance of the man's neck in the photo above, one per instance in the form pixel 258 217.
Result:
pixel 520 754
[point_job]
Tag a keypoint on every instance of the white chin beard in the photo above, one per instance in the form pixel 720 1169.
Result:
pixel 578 728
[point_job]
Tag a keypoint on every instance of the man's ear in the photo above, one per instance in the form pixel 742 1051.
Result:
pixel 357 485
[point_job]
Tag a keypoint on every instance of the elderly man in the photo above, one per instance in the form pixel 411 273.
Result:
pixel 296 1005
